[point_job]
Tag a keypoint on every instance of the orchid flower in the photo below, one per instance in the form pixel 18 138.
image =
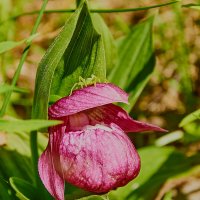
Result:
pixel 91 149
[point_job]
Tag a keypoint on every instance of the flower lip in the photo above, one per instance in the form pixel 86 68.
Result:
pixel 98 159
pixel 86 98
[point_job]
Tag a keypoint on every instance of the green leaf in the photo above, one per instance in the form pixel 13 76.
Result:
pixel 24 190
pixel 8 45
pixel 25 125
pixel 77 51
pixel 190 118
pixel 136 61
pixel 5 88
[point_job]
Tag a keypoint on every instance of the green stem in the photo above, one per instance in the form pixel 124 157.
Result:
pixel 34 153
pixel 93 10
pixel 22 60
pixel 189 5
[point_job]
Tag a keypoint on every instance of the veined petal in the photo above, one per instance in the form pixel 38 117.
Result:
pixel 86 98
pixel 98 158
pixel 49 161
pixel 111 113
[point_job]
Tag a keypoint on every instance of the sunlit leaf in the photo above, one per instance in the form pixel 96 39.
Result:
pixel 8 45
pixel 190 118
pixel 25 125
pixel 136 61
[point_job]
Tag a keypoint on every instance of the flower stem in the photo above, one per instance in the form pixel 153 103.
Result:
pixel 33 135
pixel 94 10
pixel 34 153
pixel 78 2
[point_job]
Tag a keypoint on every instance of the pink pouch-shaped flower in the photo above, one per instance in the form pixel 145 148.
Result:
pixel 91 149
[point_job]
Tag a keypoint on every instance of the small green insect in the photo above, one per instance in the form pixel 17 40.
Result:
pixel 85 82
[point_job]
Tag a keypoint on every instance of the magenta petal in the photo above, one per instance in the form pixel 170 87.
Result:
pixel 114 114
pixel 86 98
pixel 99 158
pixel 48 162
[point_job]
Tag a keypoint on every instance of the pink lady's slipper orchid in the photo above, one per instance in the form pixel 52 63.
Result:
pixel 90 149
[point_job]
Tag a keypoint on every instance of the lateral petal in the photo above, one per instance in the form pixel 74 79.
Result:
pixel 111 113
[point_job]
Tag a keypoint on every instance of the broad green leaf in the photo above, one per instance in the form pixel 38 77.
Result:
pixel 5 88
pixel 136 61
pixel 8 45
pixel 24 190
pixel 77 51
pixel 157 166
pixel 108 41
pixel 25 125
pixel 190 118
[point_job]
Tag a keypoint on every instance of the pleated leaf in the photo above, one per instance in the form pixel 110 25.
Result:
pixel 77 51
